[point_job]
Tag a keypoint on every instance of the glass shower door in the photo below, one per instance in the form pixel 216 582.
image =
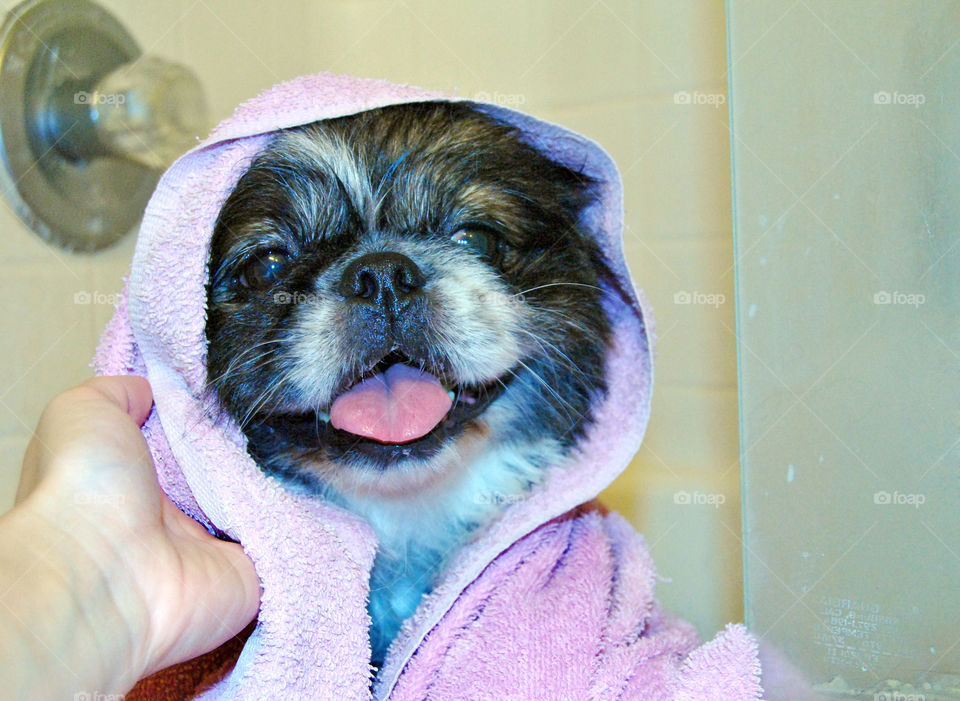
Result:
pixel 846 173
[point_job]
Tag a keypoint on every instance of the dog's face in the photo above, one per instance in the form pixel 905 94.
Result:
pixel 395 293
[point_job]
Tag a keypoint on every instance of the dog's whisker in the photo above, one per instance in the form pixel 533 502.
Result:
pixel 590 378
pixel 238 363
pixel 246 372
pixel 556 395
pixel 565 319
pixel 267 395
pixel 556 284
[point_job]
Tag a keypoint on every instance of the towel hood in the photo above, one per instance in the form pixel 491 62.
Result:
pixel 202 464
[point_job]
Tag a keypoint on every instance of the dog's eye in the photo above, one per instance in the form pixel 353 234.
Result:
pixel 481 241
pixel 263 269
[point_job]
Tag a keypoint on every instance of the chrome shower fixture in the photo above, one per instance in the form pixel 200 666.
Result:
pixel 87 123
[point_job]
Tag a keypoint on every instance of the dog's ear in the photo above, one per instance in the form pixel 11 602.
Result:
pixel 580 192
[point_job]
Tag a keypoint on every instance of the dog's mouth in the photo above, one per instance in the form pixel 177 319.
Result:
pixel 398 409
pixel 393 403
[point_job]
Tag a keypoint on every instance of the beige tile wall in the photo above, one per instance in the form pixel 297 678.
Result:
pixel 610 69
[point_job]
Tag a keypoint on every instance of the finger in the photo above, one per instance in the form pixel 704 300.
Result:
pixel 224 591
pixel 130 393
pixel 77 416
pixel 239 563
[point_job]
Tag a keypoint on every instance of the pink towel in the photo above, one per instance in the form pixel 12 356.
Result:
pixel 553 601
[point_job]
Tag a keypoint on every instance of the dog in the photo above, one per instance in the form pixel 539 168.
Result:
pixel 405 318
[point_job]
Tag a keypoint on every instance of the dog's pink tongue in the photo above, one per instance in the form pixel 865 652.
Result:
pixel 396 406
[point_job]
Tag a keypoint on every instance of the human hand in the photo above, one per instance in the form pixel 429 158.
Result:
pixel 101 576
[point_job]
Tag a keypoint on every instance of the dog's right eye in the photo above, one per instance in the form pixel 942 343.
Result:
pixel 263 269
pixel 480 240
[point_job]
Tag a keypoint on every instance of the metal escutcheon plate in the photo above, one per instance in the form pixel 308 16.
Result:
pixel 81 205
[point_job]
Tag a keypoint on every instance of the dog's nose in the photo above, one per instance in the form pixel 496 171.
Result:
pixel 386 280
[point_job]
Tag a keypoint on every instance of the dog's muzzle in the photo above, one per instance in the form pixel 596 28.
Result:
pixel 397 401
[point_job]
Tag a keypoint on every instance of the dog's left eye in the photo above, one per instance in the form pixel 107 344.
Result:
pixel 263 270
pixel 482 242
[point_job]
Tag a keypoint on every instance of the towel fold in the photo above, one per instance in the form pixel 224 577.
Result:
pixel 571 607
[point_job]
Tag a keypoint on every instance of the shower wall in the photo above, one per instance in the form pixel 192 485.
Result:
pixel 646 80
pixel 846 152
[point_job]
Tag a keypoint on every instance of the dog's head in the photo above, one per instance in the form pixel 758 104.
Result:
pixel 394 293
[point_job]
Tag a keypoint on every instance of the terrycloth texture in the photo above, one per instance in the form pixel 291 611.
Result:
pixel 549 602
pixel 568 612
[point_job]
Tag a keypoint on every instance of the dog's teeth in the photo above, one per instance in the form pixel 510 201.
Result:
pixel 323 416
